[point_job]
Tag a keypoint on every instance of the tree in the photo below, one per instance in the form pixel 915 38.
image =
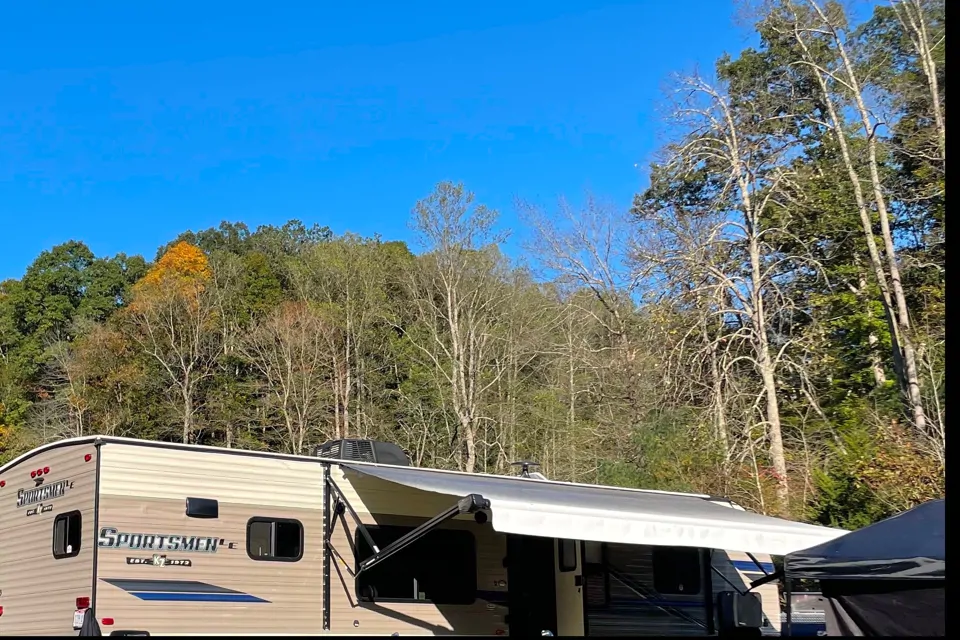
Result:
pixel 290 349
pixel 457 294
pixel 346 279
pixel 823 51
pixel 730 172
pixel 174 319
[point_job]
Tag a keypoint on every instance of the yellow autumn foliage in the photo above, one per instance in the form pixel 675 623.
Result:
pixel 182 261
pixel 182 271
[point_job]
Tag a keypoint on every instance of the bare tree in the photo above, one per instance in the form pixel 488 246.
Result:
pixel 458 294
pixel 345 278
pixel 174 320
pixel 291 350
pixel 724 248
pixel 587 247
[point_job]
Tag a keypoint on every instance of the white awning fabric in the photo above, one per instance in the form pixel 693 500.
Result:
pixel 609 514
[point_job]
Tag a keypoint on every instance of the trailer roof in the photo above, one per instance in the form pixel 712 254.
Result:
pixel 553 508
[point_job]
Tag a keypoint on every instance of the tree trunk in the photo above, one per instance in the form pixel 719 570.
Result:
pixel 187 412
pixel 720 414
pixel 766 365
pixel 879 376
pixel 466 425
pixel 765 362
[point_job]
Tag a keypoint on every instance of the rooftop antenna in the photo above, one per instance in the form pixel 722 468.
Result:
pixel 525 467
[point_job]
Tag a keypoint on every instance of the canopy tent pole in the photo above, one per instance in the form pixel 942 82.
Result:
pixel 787 626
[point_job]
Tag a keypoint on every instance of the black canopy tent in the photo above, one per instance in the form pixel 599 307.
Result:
pixel 887 579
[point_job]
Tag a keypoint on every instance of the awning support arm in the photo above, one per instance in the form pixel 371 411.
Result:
pixel 728 581
pixel 757 562
pixel 470 504
pixel 339 499
pixel 770 577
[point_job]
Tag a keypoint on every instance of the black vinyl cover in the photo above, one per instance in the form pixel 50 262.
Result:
pixel 885 607
pixel 907 546
pixel 90 626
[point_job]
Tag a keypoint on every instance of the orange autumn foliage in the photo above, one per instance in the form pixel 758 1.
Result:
pixel 182 261
pixel 182 271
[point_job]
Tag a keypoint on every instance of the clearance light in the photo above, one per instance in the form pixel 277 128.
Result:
pixel 87 458
pixel 83 602
pixel 106 621
pixel 3 483
pixel 1 611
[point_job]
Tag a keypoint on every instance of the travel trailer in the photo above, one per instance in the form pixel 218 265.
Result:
pixel 114 536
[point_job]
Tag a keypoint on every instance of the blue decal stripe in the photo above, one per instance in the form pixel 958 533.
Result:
pixel 187 586
pixel 751 566
pixel 197 597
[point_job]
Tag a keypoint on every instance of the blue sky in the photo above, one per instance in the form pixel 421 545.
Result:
pixel 122 125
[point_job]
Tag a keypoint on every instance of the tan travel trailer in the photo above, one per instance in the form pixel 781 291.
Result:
pixel 131 537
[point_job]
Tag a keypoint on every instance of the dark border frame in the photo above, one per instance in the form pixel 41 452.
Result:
pixel 268 519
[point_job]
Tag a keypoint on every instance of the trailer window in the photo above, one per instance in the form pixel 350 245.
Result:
pixel 274 539
pixel 596 578
pixel 676 570
pixel 67 528
pixel 567 555
pixel 440 567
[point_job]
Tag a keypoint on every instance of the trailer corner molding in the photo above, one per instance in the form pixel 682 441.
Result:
pixel 113 538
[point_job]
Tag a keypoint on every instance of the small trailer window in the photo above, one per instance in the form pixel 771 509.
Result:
pixel 596 578
pixel 440 568
pixel 676 570
pixel 67 528
pixel 274 539
pixel 567 554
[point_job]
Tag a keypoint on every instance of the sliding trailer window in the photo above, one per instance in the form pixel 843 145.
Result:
pixel 274 539
pixel 677 570
pixel 440 567
pixel 67 530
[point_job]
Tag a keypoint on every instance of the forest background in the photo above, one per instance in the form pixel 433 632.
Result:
pixel 766 322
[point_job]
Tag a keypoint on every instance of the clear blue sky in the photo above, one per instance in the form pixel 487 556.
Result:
pixel 122 125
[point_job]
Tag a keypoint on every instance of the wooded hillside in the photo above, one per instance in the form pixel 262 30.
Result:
pixel 766 322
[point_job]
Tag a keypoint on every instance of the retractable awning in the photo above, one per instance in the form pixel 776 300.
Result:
pixel 607 514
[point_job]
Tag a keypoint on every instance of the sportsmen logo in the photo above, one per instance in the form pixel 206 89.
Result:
pixel 111 538
pixel 43 493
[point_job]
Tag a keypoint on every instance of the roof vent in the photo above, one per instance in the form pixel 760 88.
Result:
pixel 363 451
pixel 525 469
